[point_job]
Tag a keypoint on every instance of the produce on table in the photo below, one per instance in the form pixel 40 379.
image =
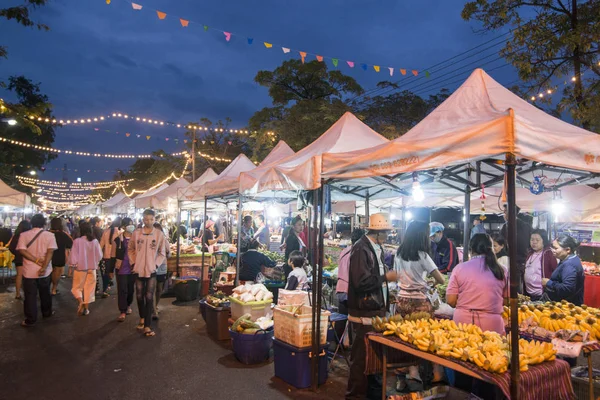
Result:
pixel 245 325
pixel 277 257
pixel 590 268
pixel 442 288
pixel 555 316
pixel 467 342
pixel 218 299
pixel 249 292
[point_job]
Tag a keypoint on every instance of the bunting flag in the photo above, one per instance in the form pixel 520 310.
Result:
pixel 107 1
pixel 229 142
pixel 138 135
pixel 204 142
pixel 147 137
pixel 427 74
pixel 303 54
pixel 184 140
pixel 128 134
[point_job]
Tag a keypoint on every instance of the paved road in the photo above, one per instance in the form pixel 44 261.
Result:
pixel 95 357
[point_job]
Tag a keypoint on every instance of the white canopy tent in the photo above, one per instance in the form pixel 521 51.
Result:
pixel 113 201
pixel 227 181
pixel 190 192
pixel 166 198
pixel 12 197
pixel 144 200
pixel 302 171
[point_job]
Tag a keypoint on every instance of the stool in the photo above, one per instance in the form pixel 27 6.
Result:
pixel 337 317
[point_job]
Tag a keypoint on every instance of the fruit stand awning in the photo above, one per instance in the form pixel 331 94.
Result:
pixel 480 120
pixel 12 197
pixel 302 171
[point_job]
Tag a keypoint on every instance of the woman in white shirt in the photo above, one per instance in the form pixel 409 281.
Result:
pixel 85 256
pixel 501 250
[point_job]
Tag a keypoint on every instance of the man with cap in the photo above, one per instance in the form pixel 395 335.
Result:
pixel 443 251
pixel 367 298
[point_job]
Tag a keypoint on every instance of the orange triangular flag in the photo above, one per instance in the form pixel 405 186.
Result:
pixel 161 15
pixel 303 55
pixel 184 22
pixel 319 58
pixel 127 134
pixel 403 71
pixel 268 45
pixel 415 72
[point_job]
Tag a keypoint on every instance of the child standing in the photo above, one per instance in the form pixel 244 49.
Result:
pixel 297 279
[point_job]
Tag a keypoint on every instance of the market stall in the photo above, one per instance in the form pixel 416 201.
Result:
pixel 12 197
pixel 144 200
pixel 484 124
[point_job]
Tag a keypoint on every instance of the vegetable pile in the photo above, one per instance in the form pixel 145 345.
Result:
pixel 245 325
pixel 248 292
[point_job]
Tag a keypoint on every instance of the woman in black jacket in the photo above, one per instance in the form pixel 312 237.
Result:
pixel 293 242
pixel 24 226
pixel 64 242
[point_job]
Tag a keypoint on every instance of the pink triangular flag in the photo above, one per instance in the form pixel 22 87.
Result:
pixel 350 64
pixel 136 6
pixel 229 142
pixel 167 139
pixel 184 22
pixel 227 36
pixel 391 71
pixel 285 50
pixel 320 58
pixel 303 55
pixel 161 15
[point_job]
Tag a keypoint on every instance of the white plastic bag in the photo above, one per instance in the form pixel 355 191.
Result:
pixel 445 310
pixel 292 298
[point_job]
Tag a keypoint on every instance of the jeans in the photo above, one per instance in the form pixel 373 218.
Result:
pixel 106 271
pixel 361 386
pixel 125 285
pixel 144 289
pixel 31 287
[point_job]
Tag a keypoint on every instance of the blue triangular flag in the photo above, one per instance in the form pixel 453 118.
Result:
pixel 250 40
pixel 363 66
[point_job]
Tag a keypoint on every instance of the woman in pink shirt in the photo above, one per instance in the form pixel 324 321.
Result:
pixel 476 287
pixel 85 256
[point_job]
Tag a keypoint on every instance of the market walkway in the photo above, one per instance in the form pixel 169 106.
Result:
pixel 95 357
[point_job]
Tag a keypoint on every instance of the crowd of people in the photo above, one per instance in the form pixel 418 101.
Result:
pixel 136 254
pixel 477 288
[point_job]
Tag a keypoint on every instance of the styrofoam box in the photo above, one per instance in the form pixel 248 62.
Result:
pixel 296 329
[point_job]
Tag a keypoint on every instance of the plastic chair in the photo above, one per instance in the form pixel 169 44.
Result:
pixel 337 317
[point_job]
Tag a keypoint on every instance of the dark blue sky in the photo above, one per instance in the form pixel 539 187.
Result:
pixel 100 58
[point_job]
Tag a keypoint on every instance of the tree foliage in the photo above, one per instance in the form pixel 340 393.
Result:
pixel 552 42
pixel 21 14
pixel 18 160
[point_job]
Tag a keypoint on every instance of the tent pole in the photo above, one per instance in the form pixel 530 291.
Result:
pixel 321 253
pixel 514 275
pixel 313 242
pixel 367 211
pixel 467 222
pixel 177 235
pixel 203 233
pixel 309 251
pixel 238 259
pixel 316 286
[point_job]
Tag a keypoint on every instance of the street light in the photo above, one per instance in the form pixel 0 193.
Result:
pixel 10 121
pixel 32 172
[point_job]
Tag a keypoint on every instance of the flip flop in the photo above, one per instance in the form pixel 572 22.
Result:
pixel 80 309
pixel 149 333
pixel 140 326
pixel 121 318
pixel 26 325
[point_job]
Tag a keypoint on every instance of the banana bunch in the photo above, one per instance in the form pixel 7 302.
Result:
pixel 381 324
pixel 554 316
pixel 534 352
pixel 418 315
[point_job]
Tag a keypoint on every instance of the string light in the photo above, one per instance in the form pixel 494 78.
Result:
pixel 90 185
pixel 187 163
pixel 551 91
pixel 80 153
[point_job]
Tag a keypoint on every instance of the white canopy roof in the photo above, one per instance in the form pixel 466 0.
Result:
pixel 168 197
pixel 12 197
pixel 302 171
pixel 480 120
pixel 144 200
pixel 114 200
pixel 227 181
pixel 189 192
pixel 280 151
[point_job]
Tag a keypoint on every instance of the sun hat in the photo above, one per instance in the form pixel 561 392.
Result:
pixel 380 222
pixel 209 223
pixel 435 227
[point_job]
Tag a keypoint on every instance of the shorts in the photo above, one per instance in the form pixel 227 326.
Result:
pixel 161 278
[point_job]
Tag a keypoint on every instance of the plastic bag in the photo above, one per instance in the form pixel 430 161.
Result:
pixel 292 298
pixel 445 310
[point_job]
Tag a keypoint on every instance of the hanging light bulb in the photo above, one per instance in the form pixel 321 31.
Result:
pixel 417 192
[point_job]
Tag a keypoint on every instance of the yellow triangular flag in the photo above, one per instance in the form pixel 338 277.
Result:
pixel 376 68
pixel 268 45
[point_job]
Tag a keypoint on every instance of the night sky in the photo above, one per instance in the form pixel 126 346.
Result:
pixel 98 59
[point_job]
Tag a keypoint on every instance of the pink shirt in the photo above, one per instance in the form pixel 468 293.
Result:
pixel 86 255
pixel 38 249
pixel 343 271
pixel 480 295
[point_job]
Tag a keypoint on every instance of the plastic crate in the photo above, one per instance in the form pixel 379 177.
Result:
pixel 252 348
pixel 217 322
pixel 295 329
pixel 581 387
pixel 255 308
pixel 186 289
pixel 293 364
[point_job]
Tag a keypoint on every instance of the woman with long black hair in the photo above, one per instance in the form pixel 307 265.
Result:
pixel 59 258
pixel 24 226
pixel 85 257
pixel 476 287
pixel 293 242
pixel 124 269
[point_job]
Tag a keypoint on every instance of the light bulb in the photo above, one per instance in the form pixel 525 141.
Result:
pixel 408 215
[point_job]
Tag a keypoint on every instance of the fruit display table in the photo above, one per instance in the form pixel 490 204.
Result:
pixel 548 380
pixel 591 291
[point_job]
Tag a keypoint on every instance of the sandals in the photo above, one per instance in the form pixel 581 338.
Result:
pixel 26 325
pixel 121 318
pixel 140 326
pixel 80 309
pixel 149 333
pixel 19 297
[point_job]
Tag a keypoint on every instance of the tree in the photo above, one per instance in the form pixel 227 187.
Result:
pixel 21 15
pixel 307 99
pixel 553 41
pixel 15 159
